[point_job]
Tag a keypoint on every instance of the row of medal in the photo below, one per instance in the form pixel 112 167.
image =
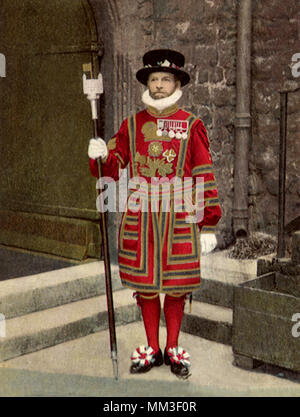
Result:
pixel 172 128
pixel 171 134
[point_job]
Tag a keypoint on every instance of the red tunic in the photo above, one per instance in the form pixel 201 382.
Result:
pixel 159 250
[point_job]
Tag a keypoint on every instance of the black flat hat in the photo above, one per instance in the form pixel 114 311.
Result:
pixel 163 60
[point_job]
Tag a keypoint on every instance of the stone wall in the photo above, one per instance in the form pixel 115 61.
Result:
pixel 276 36
pixel 205 31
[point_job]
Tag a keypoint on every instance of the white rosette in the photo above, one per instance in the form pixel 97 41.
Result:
pixel 143 356
pixel 166 63
pixel 179 355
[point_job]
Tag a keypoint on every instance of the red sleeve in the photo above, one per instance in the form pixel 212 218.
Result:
pixel 118 155
pixel 202 167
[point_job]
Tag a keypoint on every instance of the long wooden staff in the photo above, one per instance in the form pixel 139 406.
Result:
pixel 93 87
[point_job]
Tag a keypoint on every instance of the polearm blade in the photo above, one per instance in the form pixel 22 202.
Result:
pixel 93 87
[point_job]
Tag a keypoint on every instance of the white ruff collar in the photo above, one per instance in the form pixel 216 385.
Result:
pixel 162 103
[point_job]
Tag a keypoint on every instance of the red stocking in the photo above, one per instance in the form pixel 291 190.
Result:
pixel 173 309
pixel 150 306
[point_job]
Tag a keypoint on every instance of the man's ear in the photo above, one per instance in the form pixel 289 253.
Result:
pixel 178 84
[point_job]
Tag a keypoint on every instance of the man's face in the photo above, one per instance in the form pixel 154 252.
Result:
pixel 162 84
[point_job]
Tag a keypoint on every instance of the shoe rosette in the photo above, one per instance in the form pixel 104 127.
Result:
pixel 179 356
pixel 143 356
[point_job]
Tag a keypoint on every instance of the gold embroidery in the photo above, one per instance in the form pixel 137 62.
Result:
pixel 149 167
pixel 112 144
pixel 155 149
pixel 164 168
pixel 140 159
pixel 158 165
pixel 149 131
pixel 170 155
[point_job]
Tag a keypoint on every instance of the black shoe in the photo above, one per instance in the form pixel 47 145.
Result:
pixel 138 369
pixel 179 369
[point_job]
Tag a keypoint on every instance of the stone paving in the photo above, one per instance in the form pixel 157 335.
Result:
pixel 83 368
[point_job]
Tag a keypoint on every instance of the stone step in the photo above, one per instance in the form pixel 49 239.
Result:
pixel 210 322
pixel 217 292
pixel 38 330
pixel 45 328
pixel 220 274
pixel 38 292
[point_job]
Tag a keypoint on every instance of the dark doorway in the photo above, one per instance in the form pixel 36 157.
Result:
pixel 47 195
pixel 16 263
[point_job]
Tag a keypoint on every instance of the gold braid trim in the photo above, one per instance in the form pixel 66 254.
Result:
pixel 177 294
pixel 120 159
pixel 112 144
pixel 148 297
